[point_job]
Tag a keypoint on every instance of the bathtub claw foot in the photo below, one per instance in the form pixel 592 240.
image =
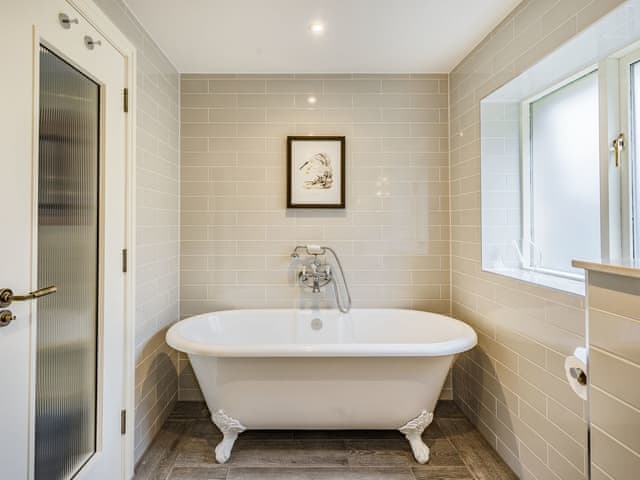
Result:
pixel 413 430
pixel 230 428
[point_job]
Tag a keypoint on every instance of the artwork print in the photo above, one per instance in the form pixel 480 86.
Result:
pixel 315 172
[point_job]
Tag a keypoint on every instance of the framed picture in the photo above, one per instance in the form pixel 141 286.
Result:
pixel 315 172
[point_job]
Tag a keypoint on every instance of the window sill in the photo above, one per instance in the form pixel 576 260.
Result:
pixel 567 285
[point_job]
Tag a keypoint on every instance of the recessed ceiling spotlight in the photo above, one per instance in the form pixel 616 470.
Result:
pixel 317 28
pixel 312 100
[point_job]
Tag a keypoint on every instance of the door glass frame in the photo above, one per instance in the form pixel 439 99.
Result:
pixel 42 41
pixel 50 225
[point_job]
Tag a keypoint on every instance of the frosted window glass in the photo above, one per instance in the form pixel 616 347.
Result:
pixel 565 189
pixel 635 151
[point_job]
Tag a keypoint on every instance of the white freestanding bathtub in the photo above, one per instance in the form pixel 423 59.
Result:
pixel 320 369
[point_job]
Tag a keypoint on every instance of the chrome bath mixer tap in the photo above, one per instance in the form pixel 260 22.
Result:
pixel 316 274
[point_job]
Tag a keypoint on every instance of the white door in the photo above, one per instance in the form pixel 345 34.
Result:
pixel 62 184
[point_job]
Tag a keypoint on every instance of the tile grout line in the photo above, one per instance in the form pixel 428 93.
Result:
pixel 475 477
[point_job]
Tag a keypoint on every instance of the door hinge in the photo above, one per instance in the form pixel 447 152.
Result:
pixel 125 260
pixel 125 98
pixel 123 422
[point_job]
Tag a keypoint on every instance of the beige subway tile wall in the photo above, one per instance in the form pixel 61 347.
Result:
pixel 512 386
pixel 157 226
pixel 237 235
pixel 501 183
pixel 614 410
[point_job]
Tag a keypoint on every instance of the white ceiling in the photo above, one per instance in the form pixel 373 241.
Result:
pixel 272 36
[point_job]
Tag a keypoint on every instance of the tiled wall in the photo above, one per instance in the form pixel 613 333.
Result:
pixel 237 235
pixel 614 330
pixel 158 219
pixel 501 187
pixel 512 386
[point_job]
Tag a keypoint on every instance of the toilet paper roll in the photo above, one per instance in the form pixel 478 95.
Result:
pixel 575 368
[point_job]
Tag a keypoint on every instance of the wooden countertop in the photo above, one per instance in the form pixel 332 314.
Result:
pixel 626 268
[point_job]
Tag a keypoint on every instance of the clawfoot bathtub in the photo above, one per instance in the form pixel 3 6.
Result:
pixel 320 369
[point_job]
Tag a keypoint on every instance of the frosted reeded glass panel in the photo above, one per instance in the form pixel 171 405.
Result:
pixel 65 436
pixel 634 150
pixel 565 188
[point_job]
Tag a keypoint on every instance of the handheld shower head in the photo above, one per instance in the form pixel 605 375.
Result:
pixel 309 249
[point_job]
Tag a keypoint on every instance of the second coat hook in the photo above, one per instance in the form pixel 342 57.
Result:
pixel 90 43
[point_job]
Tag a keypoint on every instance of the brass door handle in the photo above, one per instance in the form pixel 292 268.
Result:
pixel 7 297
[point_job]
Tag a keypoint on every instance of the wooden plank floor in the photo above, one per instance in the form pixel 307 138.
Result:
pixel 184 450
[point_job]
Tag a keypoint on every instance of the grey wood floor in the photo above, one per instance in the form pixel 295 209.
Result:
pixel 184 450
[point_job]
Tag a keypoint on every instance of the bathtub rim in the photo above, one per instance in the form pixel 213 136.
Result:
pixel 454 346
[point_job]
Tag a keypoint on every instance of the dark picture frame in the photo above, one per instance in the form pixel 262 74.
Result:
pixel 321 177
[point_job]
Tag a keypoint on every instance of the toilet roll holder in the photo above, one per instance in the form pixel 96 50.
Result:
pixel 579 375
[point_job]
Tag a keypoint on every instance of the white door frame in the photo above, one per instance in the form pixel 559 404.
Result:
pixel 98 20
pixel 106 27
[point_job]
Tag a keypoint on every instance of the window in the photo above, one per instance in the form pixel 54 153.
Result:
pixel 634 147
pixel 556 181
pixel 629 158
pixel 561 181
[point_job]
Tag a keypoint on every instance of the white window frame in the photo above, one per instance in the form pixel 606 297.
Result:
pixel 616 183
pixel 627 169
pixel 529 250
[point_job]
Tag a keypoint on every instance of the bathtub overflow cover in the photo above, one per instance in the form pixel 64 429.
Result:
pixel 316 324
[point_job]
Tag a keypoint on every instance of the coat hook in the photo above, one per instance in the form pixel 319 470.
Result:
pixel 90 43
pixel 65 21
